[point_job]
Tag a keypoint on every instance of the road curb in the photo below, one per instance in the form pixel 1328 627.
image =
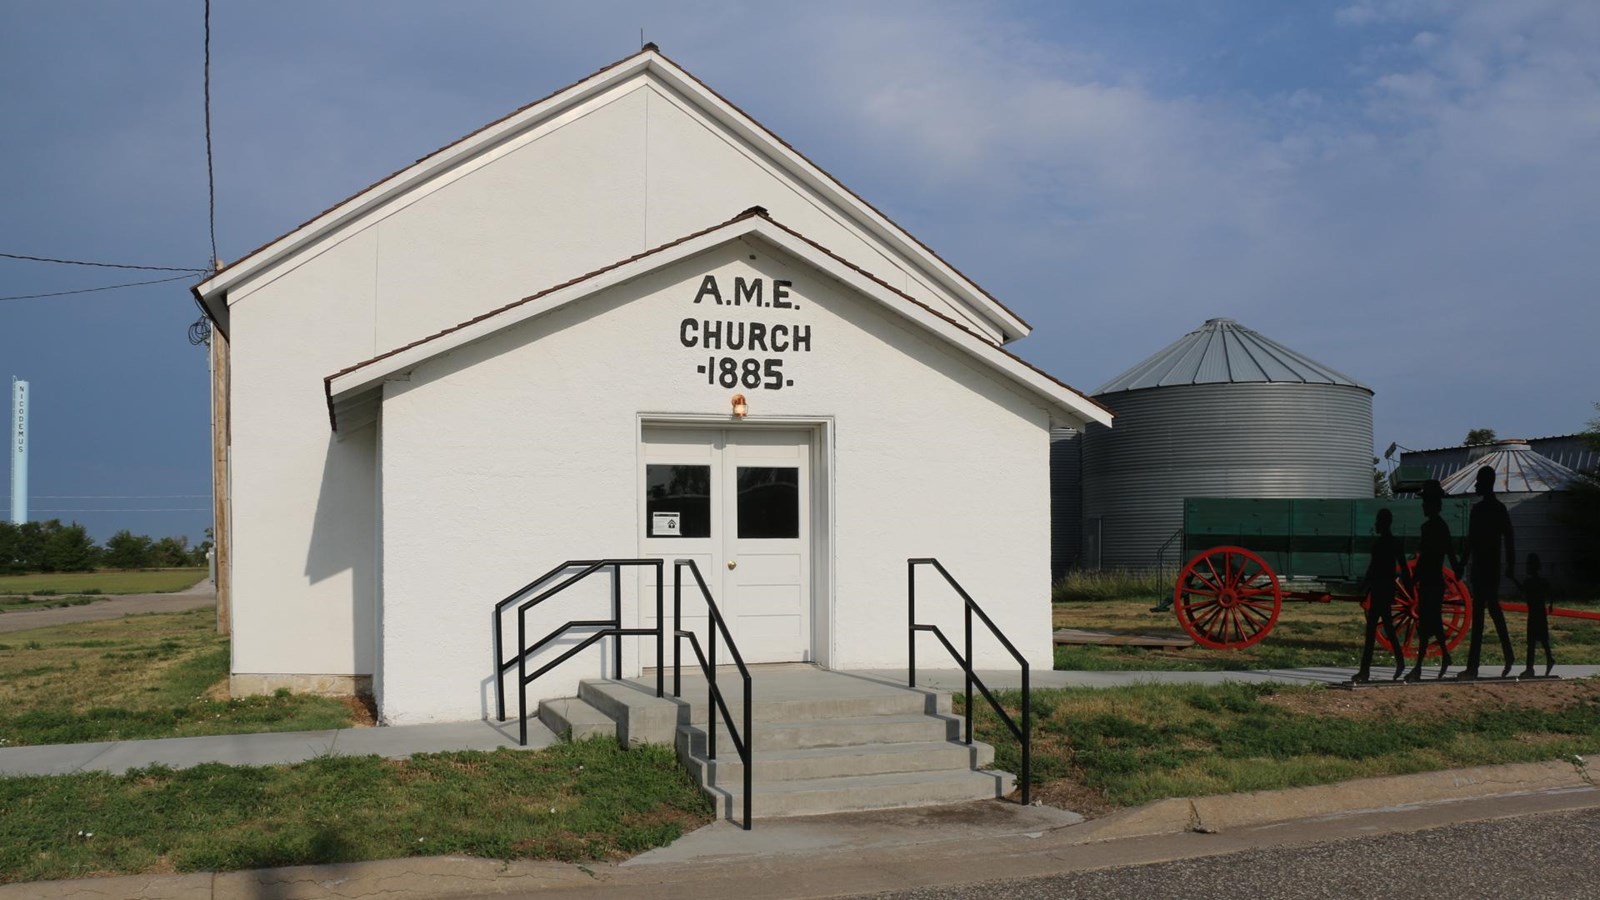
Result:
pixel 1231 811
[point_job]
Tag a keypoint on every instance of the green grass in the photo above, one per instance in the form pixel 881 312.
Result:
pixel 108 581
pixel 1081 585
pixel 49 601
pixel 142 676
pixel 1306 635
pixel 1135 744
pixel 576 801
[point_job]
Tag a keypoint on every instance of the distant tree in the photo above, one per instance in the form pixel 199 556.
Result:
pixel 9 542
pixel 201 554
pixel 1380 482
pixel 170 552
pixel 1480 437
pixel 126 550
pixel 30 546
pixel 67 548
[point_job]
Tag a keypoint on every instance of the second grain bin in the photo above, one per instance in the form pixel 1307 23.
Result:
pixel 1222 412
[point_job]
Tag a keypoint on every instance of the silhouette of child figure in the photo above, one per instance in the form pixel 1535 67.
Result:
pixel 1379 588
pixel 1489 526
pixel 1536 593
pixel 1434 548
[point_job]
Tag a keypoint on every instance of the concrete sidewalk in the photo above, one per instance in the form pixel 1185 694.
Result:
pixel 267 749
pixel 399 742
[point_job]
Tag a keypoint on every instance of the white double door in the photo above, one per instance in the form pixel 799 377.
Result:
pixel 738 502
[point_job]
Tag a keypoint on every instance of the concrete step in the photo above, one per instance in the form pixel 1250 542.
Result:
pixel 841 732
pixel 572 718
pixel 641 716
pixel 776 767
pixel 816 796
pixel 877 701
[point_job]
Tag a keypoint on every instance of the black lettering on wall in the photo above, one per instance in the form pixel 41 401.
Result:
pixel 711 335
pixel 708 288
pixel 780 295
pixel 735 335
pixel 802 338
pixel 780 338
pixel 687 332
pixel 746 292
pixel 758 336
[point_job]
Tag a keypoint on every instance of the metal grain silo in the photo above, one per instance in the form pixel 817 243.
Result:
pixel 1066 499
pixel 1222 412
pixel 1533 488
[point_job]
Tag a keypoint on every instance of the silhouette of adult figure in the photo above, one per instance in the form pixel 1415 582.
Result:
pixel 1536 594
pixel 1487 529
pixel 1433 549
pixel 1379 584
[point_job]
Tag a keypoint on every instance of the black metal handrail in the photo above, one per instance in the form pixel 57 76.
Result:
pixel 715 703
pixel 1023 733
pixel 611 628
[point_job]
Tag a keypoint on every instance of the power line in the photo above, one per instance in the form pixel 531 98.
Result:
pixel 170 510
pixel 100 265
pixel 211 178
pixel 109 287
pixel 200 328
pixel 122 497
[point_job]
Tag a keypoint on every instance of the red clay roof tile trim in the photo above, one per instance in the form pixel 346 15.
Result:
pixel 752 212
pixel 648 48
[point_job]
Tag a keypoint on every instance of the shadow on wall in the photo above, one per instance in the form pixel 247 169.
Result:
pixel 344 533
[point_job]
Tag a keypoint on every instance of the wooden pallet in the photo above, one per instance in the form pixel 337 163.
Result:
pixel 1173 641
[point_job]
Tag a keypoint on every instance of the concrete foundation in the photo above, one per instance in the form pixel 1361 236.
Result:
pixel 323 685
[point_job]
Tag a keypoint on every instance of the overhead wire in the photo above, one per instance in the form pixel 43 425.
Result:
pixel 200 329
pixel 101 265
pixel 109 287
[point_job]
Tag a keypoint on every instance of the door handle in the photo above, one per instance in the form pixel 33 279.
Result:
pixel 733 564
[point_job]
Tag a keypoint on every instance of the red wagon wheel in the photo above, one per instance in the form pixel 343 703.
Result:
pixel 1227 598
pixel 1457 613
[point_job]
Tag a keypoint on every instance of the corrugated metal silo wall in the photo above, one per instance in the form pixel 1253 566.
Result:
pixel 1537 527
pixel 1066 499
pixel 1215 440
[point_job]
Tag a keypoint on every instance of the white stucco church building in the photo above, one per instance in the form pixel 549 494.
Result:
pixel 623 321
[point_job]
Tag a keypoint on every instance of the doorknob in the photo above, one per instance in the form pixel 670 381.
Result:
pixel 733 564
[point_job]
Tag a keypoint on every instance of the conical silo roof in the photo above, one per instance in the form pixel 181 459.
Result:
pixel 1224 352
pixel 1517 470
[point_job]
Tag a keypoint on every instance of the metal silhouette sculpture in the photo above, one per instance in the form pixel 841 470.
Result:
pixel 1379 584
pixel 1434 548
pixel 1535 593
pixel 1488 528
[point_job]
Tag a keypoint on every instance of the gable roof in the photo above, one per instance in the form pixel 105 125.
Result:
pixel 648 61
pixel 366 377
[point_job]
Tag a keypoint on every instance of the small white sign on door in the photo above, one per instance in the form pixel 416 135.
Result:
pixel 664 524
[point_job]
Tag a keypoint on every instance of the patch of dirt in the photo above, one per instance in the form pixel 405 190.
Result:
pixel 1070 794
pixel 1438 699
pixel 218 691
pixel 363 710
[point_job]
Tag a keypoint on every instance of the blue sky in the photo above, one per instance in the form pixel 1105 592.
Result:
pixel 1407 191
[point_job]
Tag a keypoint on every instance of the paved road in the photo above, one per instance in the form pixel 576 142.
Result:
pixel 1549 855
pixel 202 594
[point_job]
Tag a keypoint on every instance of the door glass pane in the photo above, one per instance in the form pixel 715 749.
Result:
pixel 769 502
pixel 678 501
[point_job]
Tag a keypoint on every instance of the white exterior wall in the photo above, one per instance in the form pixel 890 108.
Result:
pixel 603 182
pixel 508 456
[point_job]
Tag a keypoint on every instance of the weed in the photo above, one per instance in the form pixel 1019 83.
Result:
pixel 1113 584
